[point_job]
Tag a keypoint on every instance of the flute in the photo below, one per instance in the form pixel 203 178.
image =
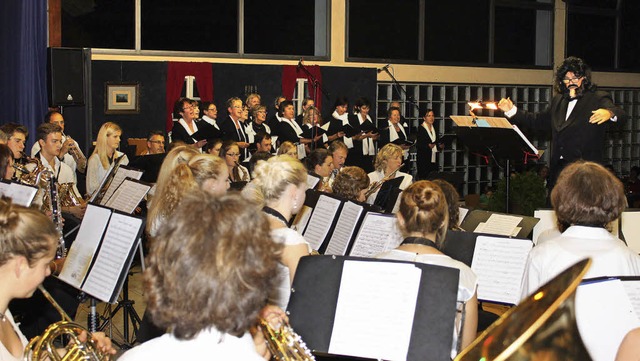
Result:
pixel 375 186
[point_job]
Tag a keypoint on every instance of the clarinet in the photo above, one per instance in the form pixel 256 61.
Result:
pixel 56 216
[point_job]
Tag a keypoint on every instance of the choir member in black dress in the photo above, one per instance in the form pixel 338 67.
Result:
pixel 427 146
pixel 363 151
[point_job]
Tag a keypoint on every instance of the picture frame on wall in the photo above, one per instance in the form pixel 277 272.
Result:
pixel 122 98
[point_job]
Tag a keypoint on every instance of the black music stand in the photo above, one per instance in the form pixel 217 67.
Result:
pixel 495 138
pixel 316 286
pixel 477 216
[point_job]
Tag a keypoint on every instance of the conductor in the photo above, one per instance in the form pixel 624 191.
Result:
pixel 578 116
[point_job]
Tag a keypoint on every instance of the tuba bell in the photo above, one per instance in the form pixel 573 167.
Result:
pixel 42 347
pixel 542 327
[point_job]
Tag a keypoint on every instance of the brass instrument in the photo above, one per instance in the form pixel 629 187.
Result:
pixel 42 347
pixel 375 186
pixel 78 157
pixel 285 344
pixel 543 326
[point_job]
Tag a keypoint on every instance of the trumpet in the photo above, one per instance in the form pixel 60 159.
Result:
pixel 42 347
pixel 80 159
pixel 375 186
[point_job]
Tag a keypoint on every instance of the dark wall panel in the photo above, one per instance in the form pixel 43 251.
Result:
pixel 152 77
pixel 229 80
pixel 350 82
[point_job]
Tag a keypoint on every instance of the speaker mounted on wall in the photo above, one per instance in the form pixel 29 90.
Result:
pixel 67 74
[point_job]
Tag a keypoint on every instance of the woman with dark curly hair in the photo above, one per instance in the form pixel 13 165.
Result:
pixel 351 183
pixel 206 284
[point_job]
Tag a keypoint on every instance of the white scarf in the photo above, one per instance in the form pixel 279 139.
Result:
pixel 393 135
pixel 367 143
pixel 186 127
pixel 211 121
pixel 345 120
pixel 432 135
pixel 294 125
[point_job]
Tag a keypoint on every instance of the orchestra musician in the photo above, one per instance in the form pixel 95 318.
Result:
pixel 351 183
pixel 289 149
pixel 104 155
pixel 320 164
pixel 6 162
pixel 230 152
pixel 70 153
pixel 388 163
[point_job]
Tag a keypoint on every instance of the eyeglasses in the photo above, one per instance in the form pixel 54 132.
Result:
pixel 233 154
pixel 211 109
pixel 187 108
pixel 571 80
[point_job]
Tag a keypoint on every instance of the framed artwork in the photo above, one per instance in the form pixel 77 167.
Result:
pixel 122 98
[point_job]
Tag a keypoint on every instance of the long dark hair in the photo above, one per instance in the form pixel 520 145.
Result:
pixel 578 67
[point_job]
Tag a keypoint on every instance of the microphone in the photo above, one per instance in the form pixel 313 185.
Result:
pixel 380 70
pixel 300 65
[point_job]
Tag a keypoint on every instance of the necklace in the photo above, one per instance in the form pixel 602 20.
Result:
pixel 3 317
pixel 420 240
pixel 273 213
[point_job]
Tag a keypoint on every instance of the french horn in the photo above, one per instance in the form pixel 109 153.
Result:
pixel 542 327
pixel 42 347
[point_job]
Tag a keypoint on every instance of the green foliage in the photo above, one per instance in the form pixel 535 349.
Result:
pixel 527 194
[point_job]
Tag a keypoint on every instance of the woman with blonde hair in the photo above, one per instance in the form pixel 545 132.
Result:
pixel 387 165
pixel 282 180
pixel 105 155
pixel 28 242
pixel 191 171
pixel 289 149
pixel 423 219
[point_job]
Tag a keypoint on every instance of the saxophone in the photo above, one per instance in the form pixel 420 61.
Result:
pixel 42 347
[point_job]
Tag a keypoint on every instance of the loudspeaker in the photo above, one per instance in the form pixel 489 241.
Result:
pixel 66 67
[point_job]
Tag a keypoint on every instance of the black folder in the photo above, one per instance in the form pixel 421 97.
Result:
pixel 314 298
pixel 388 194
pixel 477 216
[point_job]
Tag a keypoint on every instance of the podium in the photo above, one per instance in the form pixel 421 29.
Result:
pixel 494 137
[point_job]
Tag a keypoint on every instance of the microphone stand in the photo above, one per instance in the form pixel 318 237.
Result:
pixel 316 85
pixel 396 86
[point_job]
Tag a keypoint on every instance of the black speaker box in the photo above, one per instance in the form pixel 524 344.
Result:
pixel 66 68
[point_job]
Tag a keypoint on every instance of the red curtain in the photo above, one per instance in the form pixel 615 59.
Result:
pixel 175 79
pixel 289 75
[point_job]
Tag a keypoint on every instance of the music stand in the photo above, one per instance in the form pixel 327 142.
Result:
pixel 316 287
pixel 494 137
pixel 388 194
pixel 477 216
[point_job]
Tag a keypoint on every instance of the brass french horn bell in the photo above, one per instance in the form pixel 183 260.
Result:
pixel 542 327
pixel 42 347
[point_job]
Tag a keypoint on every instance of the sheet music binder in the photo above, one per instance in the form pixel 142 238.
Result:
pixel 118 198
pixel 85 259
pixel 316 286
pixel 461 246
pixel 321 244
pixel 477 216
pixel 388 194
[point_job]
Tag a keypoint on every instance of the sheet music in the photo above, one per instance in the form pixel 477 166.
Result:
pixel 121 173
pixel 302 153
pixel 633 292
pixel 603 309
pixel 375 310
pixel 79 258
pixel 312 181
pixel 20 194
pixel 463 213
pixel 4 186
pixel 117 243
pixel 499 264
pixel 533 149
pixel 630 222
pixel 323 215
pixel 499 224
pixel 127 197
pixel 344 229
pixel 378 233
pixel 302 219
